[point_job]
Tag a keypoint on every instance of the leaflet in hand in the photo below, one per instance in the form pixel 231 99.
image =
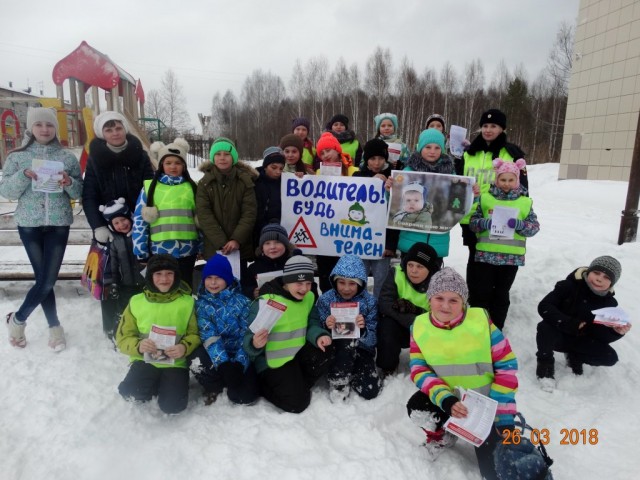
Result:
pixel 395 150
pixel 499 219
pixel 611 317
pixel 345 313
pixel 331 168
pixel 49 174
pixel 269 312
pixel 263 278
pixel 477 425
pixel 457 135
pixel 163 337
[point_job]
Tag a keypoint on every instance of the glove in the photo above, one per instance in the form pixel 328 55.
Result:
pixel 485 224
pixel 448 403
pixel 103 235
pixel 232 373
pixel 405 306
pixel 514 223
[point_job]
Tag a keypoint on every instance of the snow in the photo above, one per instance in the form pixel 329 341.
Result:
pixel 62 418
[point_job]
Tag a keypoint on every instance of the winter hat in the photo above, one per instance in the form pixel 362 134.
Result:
pixel 226 145
pixel 162 262
pixel 448 280
pixel 273 231
pixel 104 118
pixel 494 116
pixel 297 269
pixel 377 120
pixel 114 209
pixel 39 114
pixel 219 266
pixel 328 141
pixel 375 147
pixel 300 121
pixel 272 155
pixel 500 166
pixel 438 118
pixel 415 187
pixel 431 135
pixel 178 148
pixel 340 117
pixel 607 265
pixel 424 254
pixel 359 281
pixel 292 140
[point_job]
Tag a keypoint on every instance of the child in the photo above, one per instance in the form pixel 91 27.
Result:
pixel 338 126
pixel 387 130
pixel 222 313
pixel 301 127
pixel 497 260
pixel 428 157
pixel 126 280
pixel 567 322
pixel 293 148
pixel 435 120
pixel 375 157
pixel 286 359
pixel 402 298
pixel 456 346
pixel 477 162
pixel 267 188
pixel 164 220
pixel 414 209
pixel 226 202
pixel 43 219
pixel 353 365
pixel 165 302
pixel 272 253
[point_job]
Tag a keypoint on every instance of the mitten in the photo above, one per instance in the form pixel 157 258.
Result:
pixel 103 234
pixel 448 403
pixel 484 224
pixel 232 373
pixel 515 223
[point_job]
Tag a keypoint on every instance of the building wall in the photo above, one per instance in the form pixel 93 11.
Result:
pixel 604 92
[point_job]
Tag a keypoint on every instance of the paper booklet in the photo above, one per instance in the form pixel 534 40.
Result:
pixel 269 312
pixel 611 317
pixel 477 425
pixel 49 174
pixel 457 135
pixel 263 278
pixel 345 313
pixel 331 168
pixel 499 218
pixel 163 337
pixel 395 150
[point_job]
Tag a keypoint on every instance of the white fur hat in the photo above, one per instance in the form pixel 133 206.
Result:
pixel 179 148
pixel 104 117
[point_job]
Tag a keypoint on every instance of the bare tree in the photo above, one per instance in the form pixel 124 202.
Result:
pixel 174 102
pixel 378 76
pixel 339 85
pixel 448 86
pixel 317 87
pixel 500 83
pixel 472 90
pixel 560 58
pixel 297 87
pixel 354 95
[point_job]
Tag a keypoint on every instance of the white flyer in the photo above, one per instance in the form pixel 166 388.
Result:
pixel 49 173
pixel 611 317
pixel 265 277
pixel 331 168
pixel 457 135
pixel 163 337
pixel 499 219
pixel 395 150
pixel 269 312
pixel 345 313
pixel 477 425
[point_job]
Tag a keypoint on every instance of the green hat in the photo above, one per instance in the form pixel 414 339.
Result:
pixel 223 144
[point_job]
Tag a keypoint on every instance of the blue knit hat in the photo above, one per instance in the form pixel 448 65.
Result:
pixel 219 266
pixel 431 135
pixel 377 120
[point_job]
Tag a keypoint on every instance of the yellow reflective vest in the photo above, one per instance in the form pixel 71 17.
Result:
pixel 176 206
pixel 514 246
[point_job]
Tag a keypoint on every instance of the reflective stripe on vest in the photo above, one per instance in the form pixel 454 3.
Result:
pixel 288 335
pixel 169 314
pixel 460 356
pixel 406 291
pixel 515 246
pixel 175 204
pixel 480 166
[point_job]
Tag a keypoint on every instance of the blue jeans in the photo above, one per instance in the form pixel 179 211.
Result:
pixel 45 247
pixel 378 269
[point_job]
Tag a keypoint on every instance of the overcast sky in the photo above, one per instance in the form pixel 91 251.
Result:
pixel 213 45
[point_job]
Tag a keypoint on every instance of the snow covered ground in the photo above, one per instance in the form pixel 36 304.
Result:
pixel 62 418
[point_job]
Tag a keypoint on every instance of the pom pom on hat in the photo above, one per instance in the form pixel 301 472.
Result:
pixel 500 166
pixel 40 114
pixel 448 280
pixel 377 120
pixel 297 269
pixel 106 117
pixel 226 145
pixel 607 265
pixel 219 266
pixel 114 209
pixel 328 141
pixel 178 148
pixel 494 116
pixel 431 135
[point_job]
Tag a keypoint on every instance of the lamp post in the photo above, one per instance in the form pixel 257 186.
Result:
pixel 629 220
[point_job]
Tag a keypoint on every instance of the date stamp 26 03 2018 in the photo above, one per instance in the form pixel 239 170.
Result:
pixel 542 436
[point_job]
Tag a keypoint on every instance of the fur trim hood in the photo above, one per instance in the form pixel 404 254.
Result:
pixel 242 167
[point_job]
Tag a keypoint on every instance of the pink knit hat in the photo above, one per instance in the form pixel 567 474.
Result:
pixel 500 166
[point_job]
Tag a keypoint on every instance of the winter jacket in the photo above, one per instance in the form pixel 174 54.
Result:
pixel 530 227
pixel 268 201
pixel 125 269
pixel 352 267
pixel 392 305
pixel 39 209
pixel 226 207
pixel 262 264
pixel 222 321
pixel 571 302
pixel 111 175
pixel 143 246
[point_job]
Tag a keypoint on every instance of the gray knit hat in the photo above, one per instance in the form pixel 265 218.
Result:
pixel 608 265
pixel 448 280
pixel 297 269
pixel 273 231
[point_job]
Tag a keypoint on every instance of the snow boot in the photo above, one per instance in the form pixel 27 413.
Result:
pixel 545 368
pixel 210 397
pixel 16 331
pixel 339 392
pixel 574 364
pixel 57 340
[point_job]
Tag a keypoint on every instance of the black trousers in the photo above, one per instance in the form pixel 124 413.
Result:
pixel 420 402
pixel 289 387
pixel 583 348
pixel 392 337
pixel 144 381
pixel 325 265
pixel 112 308
pixel 491 289
pixel 356 367
pixel 242 386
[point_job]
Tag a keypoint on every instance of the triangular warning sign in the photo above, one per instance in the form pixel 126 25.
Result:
pixel 301 236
